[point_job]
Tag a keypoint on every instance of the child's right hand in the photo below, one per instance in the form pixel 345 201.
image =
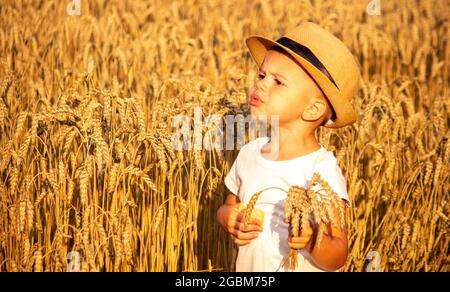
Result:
pixel 234 225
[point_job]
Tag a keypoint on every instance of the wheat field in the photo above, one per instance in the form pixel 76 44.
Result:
pixel 87 165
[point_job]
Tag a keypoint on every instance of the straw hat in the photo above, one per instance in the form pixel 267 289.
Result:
pixel 328 61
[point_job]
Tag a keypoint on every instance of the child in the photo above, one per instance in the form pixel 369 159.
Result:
pixel 307 79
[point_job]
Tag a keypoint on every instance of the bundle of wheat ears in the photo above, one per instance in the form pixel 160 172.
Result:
pixel 316 204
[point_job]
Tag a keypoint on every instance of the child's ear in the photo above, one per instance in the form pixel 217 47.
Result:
pixel 314 111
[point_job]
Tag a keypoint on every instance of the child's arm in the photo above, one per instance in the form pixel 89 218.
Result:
pixel 231 219
pixel 333 250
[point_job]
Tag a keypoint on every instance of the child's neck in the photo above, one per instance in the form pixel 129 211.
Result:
pixel 286 144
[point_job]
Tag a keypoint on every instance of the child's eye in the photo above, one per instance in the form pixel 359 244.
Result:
pixel 260 76
pixel 278 82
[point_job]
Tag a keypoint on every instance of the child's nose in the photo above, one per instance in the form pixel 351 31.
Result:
pixel 261 84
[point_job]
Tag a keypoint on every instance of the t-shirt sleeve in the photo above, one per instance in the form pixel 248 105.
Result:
pixel 232 180
pixel 331 172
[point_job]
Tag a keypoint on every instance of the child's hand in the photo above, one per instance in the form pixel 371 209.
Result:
pixel 235 226
pixel 303 241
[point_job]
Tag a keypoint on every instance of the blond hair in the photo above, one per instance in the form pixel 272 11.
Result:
pixel 330 115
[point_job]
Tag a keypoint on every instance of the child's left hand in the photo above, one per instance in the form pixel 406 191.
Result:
pixel 303 241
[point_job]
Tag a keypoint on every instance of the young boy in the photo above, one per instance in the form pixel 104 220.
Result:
pixel 307 79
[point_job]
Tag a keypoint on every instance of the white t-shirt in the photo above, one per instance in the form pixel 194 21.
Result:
pixel 250 173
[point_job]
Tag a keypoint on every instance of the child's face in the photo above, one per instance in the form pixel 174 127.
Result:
pixel 283 88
